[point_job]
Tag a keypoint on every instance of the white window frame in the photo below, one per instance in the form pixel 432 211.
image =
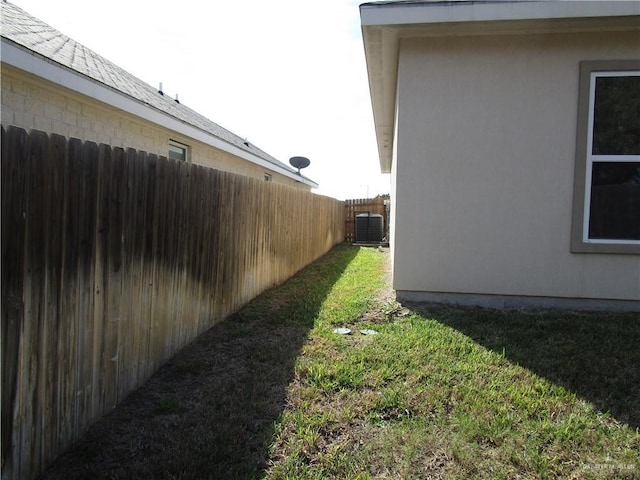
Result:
pixel 182 146
pixel 581 243
pixel 268 177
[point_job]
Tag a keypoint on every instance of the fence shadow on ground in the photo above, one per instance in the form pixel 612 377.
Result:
pixel 210 411
pixel 594 355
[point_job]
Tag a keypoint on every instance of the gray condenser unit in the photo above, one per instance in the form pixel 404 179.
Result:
pixel 369 228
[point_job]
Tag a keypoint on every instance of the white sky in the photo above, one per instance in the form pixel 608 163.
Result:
pixel 289 75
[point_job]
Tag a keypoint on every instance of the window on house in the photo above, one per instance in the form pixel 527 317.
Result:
pixel 178 151
pixel 267 177
pixel 607 184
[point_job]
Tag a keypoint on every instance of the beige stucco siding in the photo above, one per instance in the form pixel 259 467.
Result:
pixel 484 167
pixel 33 103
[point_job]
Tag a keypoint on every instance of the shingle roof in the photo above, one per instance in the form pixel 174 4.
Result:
pixel 22 28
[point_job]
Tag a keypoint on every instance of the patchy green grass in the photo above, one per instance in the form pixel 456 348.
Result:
pixel 438 392
pixel 461 393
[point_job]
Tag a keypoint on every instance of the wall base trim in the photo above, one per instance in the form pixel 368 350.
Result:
pixel 516 301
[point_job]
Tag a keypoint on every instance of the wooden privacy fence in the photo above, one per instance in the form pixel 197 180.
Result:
pixel 112 260
pixel 362 205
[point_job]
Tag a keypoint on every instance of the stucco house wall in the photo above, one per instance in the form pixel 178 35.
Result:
pixel 476 113
pixel 485 167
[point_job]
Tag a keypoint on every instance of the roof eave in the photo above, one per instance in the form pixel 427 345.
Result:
pixel 23 58
pixel 384 24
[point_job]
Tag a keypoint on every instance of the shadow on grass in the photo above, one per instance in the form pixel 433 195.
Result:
pixel 595 355
pixel 209 412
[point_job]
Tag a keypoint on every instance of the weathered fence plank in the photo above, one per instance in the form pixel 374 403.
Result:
pixel 35 333
pixel 14 190
pixel 70 294
pixel 113 275
pixel 54 208
pixel 112 260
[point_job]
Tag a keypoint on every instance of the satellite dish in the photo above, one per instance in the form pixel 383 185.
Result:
pixel 299 162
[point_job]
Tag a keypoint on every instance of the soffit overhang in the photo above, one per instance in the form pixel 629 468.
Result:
pixel 384 25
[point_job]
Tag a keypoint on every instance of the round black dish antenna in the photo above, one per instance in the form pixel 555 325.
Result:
pixel 299 163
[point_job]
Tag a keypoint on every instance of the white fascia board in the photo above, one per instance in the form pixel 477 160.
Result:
pixel 31 62
pixel 453 12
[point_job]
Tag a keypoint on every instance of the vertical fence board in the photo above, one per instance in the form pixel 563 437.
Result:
pixel 35 333
pixel 59 420
pixel 129 325
pixel 70 295
pixel 148 321
pixel 185 307
pixel 170 233
pixel 14 177
pixel 156 244
pixel 97 351
pixel 54 167
pixel 205 238
pixel 113 277
pixel 218 226
pixel 86 282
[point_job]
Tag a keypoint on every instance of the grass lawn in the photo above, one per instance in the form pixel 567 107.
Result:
pixel 437 392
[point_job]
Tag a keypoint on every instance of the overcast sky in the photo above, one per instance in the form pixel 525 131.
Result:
pixel 289 75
